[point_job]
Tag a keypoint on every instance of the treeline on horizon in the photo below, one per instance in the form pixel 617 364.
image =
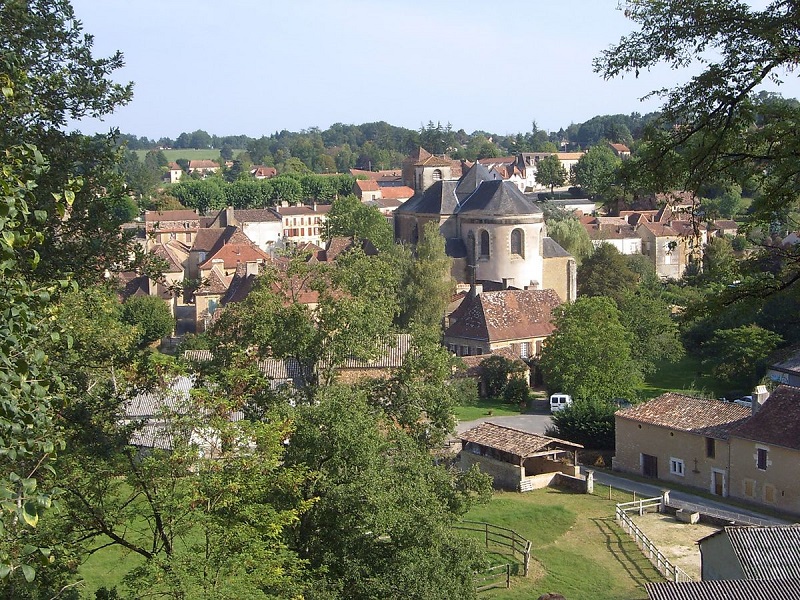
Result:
pixel 380 145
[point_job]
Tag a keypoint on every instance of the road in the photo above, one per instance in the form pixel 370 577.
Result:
pixel 532 423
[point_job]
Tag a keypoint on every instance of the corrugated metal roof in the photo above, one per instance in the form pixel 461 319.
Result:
pixel 767 552
pixel 734 589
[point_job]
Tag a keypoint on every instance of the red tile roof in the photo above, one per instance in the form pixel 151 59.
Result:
pixel 367 185
pixel 710 418
pixel 397 192
pixel 505 315
pixel 777 421
pixel 514 441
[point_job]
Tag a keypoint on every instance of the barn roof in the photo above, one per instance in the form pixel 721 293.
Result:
pixel 514 441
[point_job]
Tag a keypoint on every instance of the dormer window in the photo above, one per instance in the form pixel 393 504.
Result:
pixel 437 175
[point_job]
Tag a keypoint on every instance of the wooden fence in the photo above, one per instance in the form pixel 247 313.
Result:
pixel 494 577
pixel 507 538
pixel 653 554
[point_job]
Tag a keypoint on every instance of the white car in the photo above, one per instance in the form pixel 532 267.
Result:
pixel 559 402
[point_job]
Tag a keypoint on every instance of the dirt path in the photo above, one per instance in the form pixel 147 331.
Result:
pixel 676 540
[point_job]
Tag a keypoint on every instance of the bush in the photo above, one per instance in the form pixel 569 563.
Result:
pixel 464 391
pixel 586 422
pixel 517 391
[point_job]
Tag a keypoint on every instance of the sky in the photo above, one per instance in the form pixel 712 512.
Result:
pixel 255 67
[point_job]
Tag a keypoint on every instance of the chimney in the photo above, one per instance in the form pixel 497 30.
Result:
pixel 251 268
pixel 508 282
pixel 314 206
pixel 229 218
pixel 760 396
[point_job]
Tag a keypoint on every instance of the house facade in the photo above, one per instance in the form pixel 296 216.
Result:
pixel 303 223
pixel 726 449
pixel 678 438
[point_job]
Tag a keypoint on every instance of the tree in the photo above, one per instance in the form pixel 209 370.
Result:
pixel 589 354
pixel 586 422
pixel 150 315
pixel 427 284
pixel 719 262
pixel 49 76
pixel 382 515
pixel 606 273
pixel 739 354
pixel 569 232
pixel 550 172
pixel 715 127
pixel 656 336
pixel 496 371
pixel 349 217
pixel 596 171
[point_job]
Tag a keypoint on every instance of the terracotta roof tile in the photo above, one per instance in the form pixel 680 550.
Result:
pixel 514 441
pixel 710 418
pixel 505 315
pixel 777 421
pixel 397 192
pixel 367 185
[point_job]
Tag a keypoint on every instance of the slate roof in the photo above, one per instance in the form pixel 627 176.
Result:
pixel 438 199
pixel 389 354
pixel 505 315
pixel 255 215
pixel 552 249
pixel 470 180
pixel 777 421
pixel 152 216
pixel 513 441
pixel 710 418
pixel 734 589
pixel 788 362
pixel 498 197
pixel 765 552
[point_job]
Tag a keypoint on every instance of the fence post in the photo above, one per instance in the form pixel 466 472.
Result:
pixel 664 501
pixel 527 558
pixel 508 576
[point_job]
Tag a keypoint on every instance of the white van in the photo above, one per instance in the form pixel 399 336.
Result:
pixel 559 402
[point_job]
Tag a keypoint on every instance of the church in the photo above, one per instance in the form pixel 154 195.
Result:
pixel 494 234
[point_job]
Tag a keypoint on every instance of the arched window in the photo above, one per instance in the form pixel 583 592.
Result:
pixel 484 244
pixel 437 174
pixel 518 242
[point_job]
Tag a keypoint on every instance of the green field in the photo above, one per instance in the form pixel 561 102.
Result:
pixel 686 376
pixel 486 407
pixel 577 548
pixel 188 154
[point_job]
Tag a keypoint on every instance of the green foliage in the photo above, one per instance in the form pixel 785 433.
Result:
pixel 715 127
pixel 569 233
pixel 150 315
pixel 517 391
pixel 380 525
pixel 550 172
pixel 719 262
pixel 656 336
pixel 496 371
pixel 427 285
pixel 586 422
pixel 606 272
pixel 739 354
pixel 596 171
pixel 349 217
pixel 589 354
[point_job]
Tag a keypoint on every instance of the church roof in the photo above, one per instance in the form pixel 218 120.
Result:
pixel 470 180
pixel 499 197
pixel 438 199
pixel 552 249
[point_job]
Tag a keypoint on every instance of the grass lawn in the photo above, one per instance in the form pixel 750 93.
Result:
pixel 486 407
pixel 686 376
pixel 578 550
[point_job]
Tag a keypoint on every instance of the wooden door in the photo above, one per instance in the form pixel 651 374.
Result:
pixel 649 465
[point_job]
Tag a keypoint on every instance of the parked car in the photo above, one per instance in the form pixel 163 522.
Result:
pixel 746 401
pixel 559 401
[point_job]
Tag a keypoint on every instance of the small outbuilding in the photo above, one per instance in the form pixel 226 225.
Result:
pixel 519 460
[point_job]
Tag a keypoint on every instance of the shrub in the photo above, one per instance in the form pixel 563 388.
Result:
pixel 586 422
pixel 151 315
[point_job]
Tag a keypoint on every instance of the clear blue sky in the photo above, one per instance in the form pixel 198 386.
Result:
pixel 258 66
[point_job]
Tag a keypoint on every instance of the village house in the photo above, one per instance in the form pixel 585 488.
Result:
pixel 487 321
pixel 203 167
pixel 173 174
pixel 262 172
pixel 614 231
pixel 263 226
pixel 162 226
pixel 303 223
pixel 746 552
pixel 750 454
